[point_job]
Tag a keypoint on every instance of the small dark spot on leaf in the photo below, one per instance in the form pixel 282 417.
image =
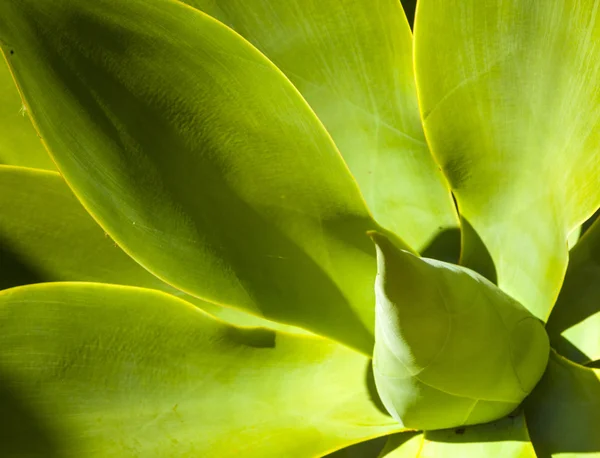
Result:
pixel 12 51
pixel 460 430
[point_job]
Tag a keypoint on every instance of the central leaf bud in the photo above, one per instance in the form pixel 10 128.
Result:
pixel 451 348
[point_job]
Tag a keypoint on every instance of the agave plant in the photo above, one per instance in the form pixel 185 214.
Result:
pixel 270 228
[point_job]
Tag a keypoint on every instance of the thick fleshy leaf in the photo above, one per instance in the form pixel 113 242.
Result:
pixel 352 61
pixel 46 236
pixel 93 370
pixel 509 97
pixel 505 438
pixel 574 324
pixel 563 412
pixel 19 143
pixel 451 348
pixel 198 157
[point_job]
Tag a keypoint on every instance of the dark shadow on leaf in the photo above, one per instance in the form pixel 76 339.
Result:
pixel 563 412
pixel 588 223
pixel 22 432
pixel 367 449
pixel 445 246
pixel 509 428
pixel 373 394
pixel 475 254
pixel 252 337
pixel 15 270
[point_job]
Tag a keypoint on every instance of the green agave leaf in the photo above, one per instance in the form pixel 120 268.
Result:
pixel 19 143
pixel 451 349
pixel 563 412
pixel 508 94
pixel 353 64
pixel 94 370
pixel 505 438
pixel 198 157
pixel 46 235
pixel 573 237
pixel 574 324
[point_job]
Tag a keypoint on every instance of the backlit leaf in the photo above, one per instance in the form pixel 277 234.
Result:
pixel 198 157
pixel 91 370
pixel 509 96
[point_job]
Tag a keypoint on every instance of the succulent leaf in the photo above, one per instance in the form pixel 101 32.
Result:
pixel 93 370
pixel 353 65
pixel 198 157
pixel 19 143
pixel 574 324
pixel 46 236
pixel 451 348
pixel 508 91
pixel 563 412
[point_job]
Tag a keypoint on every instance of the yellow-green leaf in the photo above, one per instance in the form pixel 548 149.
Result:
pixel 352 61
pixel 451 349
pixel 509 96
pixel 199 158
pixel 563 412
pixel 574 324
pixel 46 236
pixel 92 370
pixel 19 143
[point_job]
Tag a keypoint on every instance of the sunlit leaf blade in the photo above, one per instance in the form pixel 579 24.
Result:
pixel 93 370
pixel 198 157
pixel 19 143
pixel 509 96
pixel 451 349
pixel 46 236
pixel 352 61
pixel 563 412
pixel 574 324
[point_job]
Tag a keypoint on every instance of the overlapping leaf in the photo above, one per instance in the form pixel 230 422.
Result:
pixel 574 325
pixel 505 438
pixel 508 94
pixel 198 157
pixel 46 235
pixel 353 64
pixel 563 412
pixel 94 370
pixel 19 143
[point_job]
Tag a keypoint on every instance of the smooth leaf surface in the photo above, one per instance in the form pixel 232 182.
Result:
pixel 353 64
pixel 563 412
pixel 97 370
pixel 19 143
pixel 508 94
pixel 47 236
pixel 451 349
pixel 505 438
pixel 198 157
pixel 574 324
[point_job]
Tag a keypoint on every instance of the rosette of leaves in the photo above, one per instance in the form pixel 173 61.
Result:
pixel 187 224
